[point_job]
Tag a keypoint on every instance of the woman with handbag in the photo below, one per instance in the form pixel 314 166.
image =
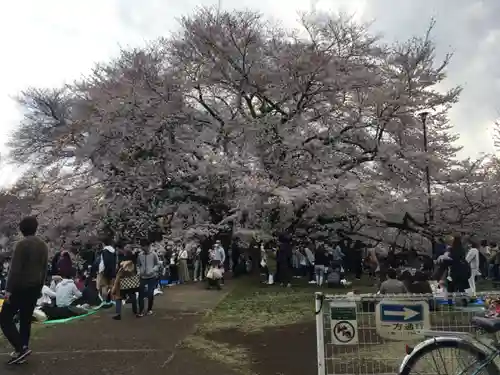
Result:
pixel 126 285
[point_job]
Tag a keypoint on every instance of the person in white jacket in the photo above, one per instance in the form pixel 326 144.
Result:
pixel 67 293
pixel 472 258
pixel 310 265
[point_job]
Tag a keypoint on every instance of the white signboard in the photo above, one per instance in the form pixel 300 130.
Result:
pixel 402 320
pixel 343 322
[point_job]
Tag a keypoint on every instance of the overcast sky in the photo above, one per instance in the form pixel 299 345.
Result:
pixel 46 43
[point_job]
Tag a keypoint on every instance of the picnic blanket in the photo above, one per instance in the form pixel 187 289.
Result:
pixel 66 320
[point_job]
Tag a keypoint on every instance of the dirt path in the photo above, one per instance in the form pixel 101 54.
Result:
pixel 99 345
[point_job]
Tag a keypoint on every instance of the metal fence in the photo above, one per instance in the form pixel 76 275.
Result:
pixel 367 334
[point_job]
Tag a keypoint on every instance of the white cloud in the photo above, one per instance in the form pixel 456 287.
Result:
pixel 47 43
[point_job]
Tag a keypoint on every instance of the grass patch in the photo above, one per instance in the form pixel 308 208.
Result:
pixel 235 357
pixel 249 307
pixel 252 307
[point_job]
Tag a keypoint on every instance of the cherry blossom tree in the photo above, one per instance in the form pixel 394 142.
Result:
pixel 237 124
pixel 320 112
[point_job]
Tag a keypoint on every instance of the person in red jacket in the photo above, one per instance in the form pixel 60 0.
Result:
pixel 65 265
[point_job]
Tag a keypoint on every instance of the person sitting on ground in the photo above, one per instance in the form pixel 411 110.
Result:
pixel 56 279
pixel 68 297
pixel 89 291
pixel 65 299
pixel 48 308
pixel 407 278
pixel 47 297
pixel 392 285
pixel 420 285
pixel 45 302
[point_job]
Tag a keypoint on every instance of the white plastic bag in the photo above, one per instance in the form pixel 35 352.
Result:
pixel 214 273
pixel 217 273
pixel 39 315
pixel 210 273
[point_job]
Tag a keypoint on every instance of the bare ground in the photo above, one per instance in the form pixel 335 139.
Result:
pixel 287 350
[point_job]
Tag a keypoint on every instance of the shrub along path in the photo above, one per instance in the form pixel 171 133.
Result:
pixel 150 345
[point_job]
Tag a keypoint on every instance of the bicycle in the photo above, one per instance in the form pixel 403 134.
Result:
pixel 484 351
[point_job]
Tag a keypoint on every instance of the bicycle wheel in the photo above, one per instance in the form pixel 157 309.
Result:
pixel 449 358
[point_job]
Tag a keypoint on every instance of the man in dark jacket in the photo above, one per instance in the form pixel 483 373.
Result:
pixel 235 258
pixel 284 260
pixel 27 273
pixel 107 270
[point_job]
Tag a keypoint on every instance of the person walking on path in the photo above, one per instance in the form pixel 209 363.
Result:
pixel 126 285
pixel 148 264
pixel 219 255
pixel 217 258
pixel 284 260
pixel 107 270
pixel 198 266
pixel 27 273
pixel 357 259
pixel 183 265
pixel 473 259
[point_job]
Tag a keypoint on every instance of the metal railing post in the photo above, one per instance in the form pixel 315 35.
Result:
pixel 320 333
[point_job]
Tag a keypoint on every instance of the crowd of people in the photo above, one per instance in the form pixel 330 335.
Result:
pixel 69 285
pixel 327 264
pixel 318 262
pixel 454 265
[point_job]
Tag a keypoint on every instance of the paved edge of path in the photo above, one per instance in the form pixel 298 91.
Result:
pixel 206 314
pixel 184 307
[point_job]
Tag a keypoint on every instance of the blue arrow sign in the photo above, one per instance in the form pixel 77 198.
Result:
pixel 401 313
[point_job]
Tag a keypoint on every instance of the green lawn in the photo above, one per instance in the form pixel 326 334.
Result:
pixel 249 308
pixel 252 307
